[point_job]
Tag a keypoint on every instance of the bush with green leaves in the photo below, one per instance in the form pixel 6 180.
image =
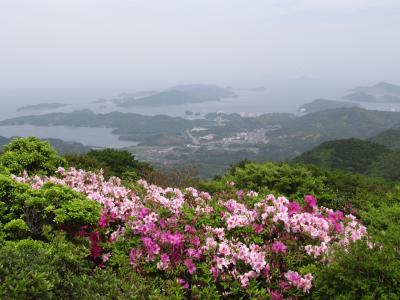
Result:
pixel 31 155
pixel 367 270
pixel 360 273
pixel 31 212
pixel 31 269
pixel 269 177
pixel 334 189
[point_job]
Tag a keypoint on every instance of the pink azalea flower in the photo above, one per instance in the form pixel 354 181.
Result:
pixel 258 228
pixel 275 295
pixel 294 208
pixel 279 247
pixel 183 283
pixel 311 201
pixel 190 266
pixel 103 220
pixel 95 249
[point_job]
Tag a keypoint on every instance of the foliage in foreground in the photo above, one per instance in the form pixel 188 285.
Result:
pixel 31 155
pixel 246 245
pixel 77 235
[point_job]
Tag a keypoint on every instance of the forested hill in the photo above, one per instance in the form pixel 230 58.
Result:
pixel 325 104
pixel 378 156
pixel 341 123
pixel 389 138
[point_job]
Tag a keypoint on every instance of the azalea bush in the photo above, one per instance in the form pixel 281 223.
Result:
pixel 235 244
pixel 74 234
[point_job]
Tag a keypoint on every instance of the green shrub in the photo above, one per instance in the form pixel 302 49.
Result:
pixel 364 272
pixel 16 229
pixel 32 269
pixel 31 155
pixel 334 189
pixel 361 273
pixel 59 270
pixel 292 181
pixel 54 206
pixel 25 272
pixel 78 212
pixel 9 191
pixel 57 206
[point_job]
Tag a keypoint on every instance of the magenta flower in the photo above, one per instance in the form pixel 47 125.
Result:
pixel 190 266
pixel 151 247
pixel 103 220
pixel 195 241
pixel 275 295
pixel 183 283
pixel 258 228
pixel 279 247
pixel 135 255
pixel 335 216
pixel 240 193
pixel 143 212
pixel 190 229
pixel 311 201
pixel 193 253
pixel 294 208
pixel 95 249
pixel 339 227
pixel 176 239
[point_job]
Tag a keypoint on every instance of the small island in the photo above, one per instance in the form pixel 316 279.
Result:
pixel 41 106
pixel 324 104
pixel 177 95
pixel 382 92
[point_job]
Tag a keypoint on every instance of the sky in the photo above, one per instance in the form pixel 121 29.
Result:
pixel 51 43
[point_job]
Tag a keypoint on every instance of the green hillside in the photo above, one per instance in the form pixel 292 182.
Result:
pixel 390 138
pixel 360 156
pixel 351 154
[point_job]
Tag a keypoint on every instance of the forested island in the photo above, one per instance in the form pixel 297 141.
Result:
pixel 381 92
pixel 177 95
pixel 325 104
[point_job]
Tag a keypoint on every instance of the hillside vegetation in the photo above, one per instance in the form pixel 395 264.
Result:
pixel 389 138
pixel 75 234
pixel 325 104
pixel 378 156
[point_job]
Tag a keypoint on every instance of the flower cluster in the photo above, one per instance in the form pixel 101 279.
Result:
pixel 230 239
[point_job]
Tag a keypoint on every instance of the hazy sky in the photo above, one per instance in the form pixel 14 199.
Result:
pixel 91 42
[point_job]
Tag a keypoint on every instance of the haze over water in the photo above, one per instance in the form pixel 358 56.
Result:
pixel 283 97
pixel 114 47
